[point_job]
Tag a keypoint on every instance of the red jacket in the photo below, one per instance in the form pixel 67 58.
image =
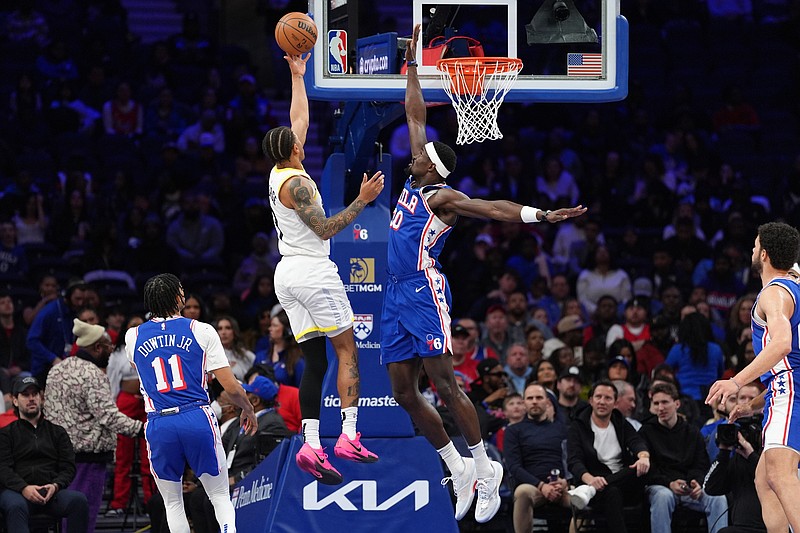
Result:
pixel 288 400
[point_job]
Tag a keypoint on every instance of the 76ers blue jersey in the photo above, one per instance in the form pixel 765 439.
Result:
pixel 171 363
pixel 417 235
pixel 761 333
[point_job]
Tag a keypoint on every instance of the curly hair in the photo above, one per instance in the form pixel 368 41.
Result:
pixel 161 295
pixel 781 242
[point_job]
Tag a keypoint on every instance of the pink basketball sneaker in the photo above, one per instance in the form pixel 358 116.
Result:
pixel 315 462
pixel 353 450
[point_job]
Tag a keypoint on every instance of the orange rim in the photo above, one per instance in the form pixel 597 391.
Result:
pixel 491 64
pixel 467 74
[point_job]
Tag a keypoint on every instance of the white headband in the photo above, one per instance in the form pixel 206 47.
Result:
pixel 434 157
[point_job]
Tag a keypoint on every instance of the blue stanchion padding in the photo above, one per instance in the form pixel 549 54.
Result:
pixel 400 493
pixel 360 253
pixel 254 497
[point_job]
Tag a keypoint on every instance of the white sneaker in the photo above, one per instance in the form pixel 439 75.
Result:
pixel 464 487
pixel 488 494
pixel 579 497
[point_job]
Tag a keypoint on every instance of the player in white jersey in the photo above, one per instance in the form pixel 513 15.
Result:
pixel 776 341
pixel 308 285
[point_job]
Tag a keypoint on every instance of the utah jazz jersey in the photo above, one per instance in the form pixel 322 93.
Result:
pixel 172 358
pixel 417 235
pixel 294 236
pixel 761 333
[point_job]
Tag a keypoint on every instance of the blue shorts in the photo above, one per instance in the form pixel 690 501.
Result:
pixel 190 436
pixel 781 424
pixel 415 320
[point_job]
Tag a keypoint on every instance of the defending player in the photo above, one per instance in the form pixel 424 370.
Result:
pixel 308 285
pixel 425 213
pixel 775 321
pixel 172 355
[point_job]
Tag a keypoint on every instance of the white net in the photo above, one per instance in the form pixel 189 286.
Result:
pixel 477 86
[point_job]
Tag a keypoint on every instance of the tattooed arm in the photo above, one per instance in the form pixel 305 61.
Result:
pixel 298 194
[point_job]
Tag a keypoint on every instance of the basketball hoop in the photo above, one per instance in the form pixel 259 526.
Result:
pixel 476 86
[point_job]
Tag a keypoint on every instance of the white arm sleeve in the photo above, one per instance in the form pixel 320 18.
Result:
pixel 130 342
pixel 208 338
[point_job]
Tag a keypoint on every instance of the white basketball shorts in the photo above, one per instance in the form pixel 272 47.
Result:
pixel 312 294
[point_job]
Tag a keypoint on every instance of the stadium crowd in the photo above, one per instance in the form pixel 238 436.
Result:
pixel 120 159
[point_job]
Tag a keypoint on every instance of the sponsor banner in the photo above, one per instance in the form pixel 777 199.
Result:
pixel 359 252
pixel 363 265
pixel 377 54
pixel 360 233
pixel 362 326
pixel 392 495
pixel 254 497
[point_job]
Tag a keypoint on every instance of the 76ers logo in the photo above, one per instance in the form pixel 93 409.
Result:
pixel 359 233
pixel 434 343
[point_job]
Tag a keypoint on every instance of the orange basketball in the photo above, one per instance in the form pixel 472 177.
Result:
pixel 296 33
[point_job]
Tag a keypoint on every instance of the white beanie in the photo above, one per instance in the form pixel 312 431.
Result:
pixel 87 334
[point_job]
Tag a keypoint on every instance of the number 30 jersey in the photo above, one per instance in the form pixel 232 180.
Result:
pixel 417 235
pixel 172 358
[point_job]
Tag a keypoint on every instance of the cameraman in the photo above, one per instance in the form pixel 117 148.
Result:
pixel 733 474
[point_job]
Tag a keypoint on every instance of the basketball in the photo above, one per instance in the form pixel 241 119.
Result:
pixel 296 33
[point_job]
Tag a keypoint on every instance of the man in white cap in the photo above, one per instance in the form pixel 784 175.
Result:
pixel 79 399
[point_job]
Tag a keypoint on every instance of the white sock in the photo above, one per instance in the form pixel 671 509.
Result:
pixel 453 459
pixel 311 432
pixel 482 464
pixel 349 419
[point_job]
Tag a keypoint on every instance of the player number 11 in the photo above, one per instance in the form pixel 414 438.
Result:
pixel 175 368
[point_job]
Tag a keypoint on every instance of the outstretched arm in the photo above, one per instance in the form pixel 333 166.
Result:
pixel 298 194
pixel 448 201
pixel 298 112
pixel 415 104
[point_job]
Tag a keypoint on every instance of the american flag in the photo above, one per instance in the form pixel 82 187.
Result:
pixel 584 64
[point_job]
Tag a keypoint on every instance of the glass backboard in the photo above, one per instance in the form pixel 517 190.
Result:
pixel 572 50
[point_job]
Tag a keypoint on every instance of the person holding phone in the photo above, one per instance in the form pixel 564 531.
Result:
pixel 679 464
